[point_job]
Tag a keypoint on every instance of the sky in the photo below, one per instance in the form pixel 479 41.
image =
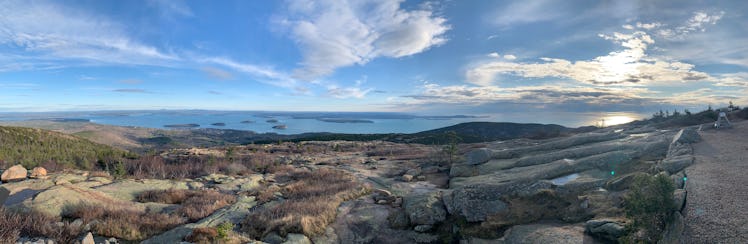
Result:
pixel 450 57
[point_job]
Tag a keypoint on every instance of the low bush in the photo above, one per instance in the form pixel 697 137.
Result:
pixel 195 205
pixel 649 204
pixel 311 202
pixel 14 224
pixel 123 222
pixel 203 235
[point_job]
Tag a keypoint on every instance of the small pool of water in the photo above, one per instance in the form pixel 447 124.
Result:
pixel 564 179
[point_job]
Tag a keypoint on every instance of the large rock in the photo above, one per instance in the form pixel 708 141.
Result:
pixel 15 173
pixel 673 230
pixel 676 164
pixel 293 238
pixel 54 200
pixel 88 239
pixel 359 221
pixel 425 208
pixel 607 229
pixel 686 136
pixel 129 189
pixel 478 156
pixel 38 172
pixel 476 202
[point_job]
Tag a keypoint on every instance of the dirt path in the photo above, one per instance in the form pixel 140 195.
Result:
pixel 717 202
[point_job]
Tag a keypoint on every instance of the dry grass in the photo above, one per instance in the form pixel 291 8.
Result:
pixel 195 205
pixel 133 224
pixel 123 222
pixel 14 224
pixel 203 235
pixel 311 203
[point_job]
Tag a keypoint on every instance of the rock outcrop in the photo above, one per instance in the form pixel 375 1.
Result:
pixel 15 173
pixel 608 229
pixel 425 208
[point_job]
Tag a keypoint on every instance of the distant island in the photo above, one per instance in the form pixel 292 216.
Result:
pixel 272 121
pixel 182 126
pixel 280 127
pixel 69 120
pixel 247 122
pixel 218 124
pixel 343 120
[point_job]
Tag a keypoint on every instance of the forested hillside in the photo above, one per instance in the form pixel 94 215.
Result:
pixel 31 147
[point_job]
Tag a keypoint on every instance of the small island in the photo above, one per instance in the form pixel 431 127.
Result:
pixel 343 120
pixel 272 121
pixel 182 126
pixel 218 124
pixel 280 127
pixel 247 122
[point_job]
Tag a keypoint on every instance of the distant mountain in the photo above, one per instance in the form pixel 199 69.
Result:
pixel 32 147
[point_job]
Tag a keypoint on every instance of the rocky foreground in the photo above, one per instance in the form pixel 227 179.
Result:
pixel 564 190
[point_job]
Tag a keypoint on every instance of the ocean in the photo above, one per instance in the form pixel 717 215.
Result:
pixel 302 122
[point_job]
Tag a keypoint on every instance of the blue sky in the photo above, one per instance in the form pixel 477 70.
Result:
pixel 474 57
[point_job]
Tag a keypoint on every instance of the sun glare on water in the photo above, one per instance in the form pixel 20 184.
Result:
pixel 617 120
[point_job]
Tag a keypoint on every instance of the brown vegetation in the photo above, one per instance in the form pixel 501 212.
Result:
pixel 311 203
pixel 14 224
pixel 123 222
pixel 130 223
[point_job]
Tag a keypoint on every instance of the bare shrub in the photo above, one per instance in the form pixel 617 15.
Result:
pixel 123 222
pixel 14 224
pixel 195 205
pixel 202 235
pixel 311 203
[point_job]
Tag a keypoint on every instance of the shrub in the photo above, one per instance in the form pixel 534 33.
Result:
pixel 649 203
pixel 14 224
pixel 123 222
pixel 202 235
pixel 224 229
pixel 311 203
pixel 195 205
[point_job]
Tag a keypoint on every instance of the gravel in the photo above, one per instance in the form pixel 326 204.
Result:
pixel 717 184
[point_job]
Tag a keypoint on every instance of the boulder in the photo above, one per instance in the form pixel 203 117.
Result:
pixel 475 202
pixel 478 156
pixel 4 193
pixel 679 180
pixel 425 208
pixel 686 136
pixel 294 238
pixel 88 239
pixel 407 178
pixel 608 229
pixel 676 164
pixel 423 228
pixel 462 170
pixel 53 200
pixel 15 173
pixel 359 221
pixel 673 230
pixel 38 172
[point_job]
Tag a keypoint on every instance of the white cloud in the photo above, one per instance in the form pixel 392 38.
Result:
pixel 339 33
pixel 697 23
pixel 264 74
pixel 510 57
pixel 630 66
pixel 347 92
pixel 648 26
pixel 217 73
pixel 494 55
pixel 48 31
